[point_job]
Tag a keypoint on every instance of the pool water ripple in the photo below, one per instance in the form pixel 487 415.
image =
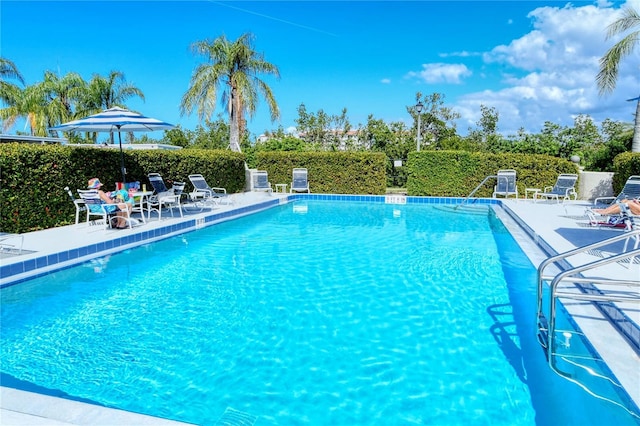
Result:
pixel 342 316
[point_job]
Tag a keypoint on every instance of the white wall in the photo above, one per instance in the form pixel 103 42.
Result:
pixel 595 184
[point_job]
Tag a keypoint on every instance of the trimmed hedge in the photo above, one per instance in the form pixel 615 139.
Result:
pixel 457 173
pixel 32 177
pixel 329 172
pixel 625 165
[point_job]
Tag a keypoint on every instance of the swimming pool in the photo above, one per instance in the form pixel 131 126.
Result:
pixel 308 313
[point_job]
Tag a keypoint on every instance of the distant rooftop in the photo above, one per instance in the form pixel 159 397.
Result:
pixel 43 140
pixel 32 139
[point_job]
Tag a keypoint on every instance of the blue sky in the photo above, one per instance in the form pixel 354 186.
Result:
pixel 534 61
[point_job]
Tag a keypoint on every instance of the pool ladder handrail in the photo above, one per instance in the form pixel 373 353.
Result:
pixel 547 327
pixel 464 201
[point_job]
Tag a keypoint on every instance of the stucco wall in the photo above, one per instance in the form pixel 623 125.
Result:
pixel 595 184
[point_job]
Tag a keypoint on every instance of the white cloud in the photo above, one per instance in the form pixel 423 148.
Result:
pixel 549 73
pixel 442 73
pixel 385 81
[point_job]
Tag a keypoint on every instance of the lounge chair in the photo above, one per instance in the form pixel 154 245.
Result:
pixel 564 187
pixel 203 192
pixel 97 207
pixel 164 197
pixel 630 190
pixel 299 182
pixel 506 184
pixel 261 181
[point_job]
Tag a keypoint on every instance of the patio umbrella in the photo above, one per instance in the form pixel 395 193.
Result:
pixel 115 120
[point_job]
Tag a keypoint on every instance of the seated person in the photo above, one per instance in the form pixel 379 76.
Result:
pixel 634 207
pixel 118 202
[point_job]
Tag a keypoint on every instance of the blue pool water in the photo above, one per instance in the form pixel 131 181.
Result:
pixel 311 313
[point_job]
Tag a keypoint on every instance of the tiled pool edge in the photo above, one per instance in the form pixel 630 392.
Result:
pixel 615 315
pixel 19 271
pixel 191 224
pixel 16 272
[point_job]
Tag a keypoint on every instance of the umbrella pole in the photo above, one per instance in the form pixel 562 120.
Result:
pixel 122 169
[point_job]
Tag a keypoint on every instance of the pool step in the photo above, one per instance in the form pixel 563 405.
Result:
pixel 233 417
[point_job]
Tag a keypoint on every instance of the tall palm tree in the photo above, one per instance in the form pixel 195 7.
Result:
pixel 8 70
pixel 610 62
pixel 45 103
pixel 62 96
pixel 232 67
pixel 107 92
pixel 9 92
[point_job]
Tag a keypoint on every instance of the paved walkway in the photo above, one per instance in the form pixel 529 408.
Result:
pixel 553 226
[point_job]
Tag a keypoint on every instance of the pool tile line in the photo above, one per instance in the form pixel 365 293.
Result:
pixel 68 258
pixel 613 314
pixel 16 272
pixel 616 316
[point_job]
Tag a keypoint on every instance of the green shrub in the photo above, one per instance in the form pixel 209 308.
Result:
pixel 32 177
pixel 329 172
pixel 457 173
pixel 625 165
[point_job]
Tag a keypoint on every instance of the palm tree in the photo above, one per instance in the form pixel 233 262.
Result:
pixel 232 67
pixel 62 96
pixel 610 62
pixel 8 70
pixel 9 92
pixel 104 93
pixel 44 104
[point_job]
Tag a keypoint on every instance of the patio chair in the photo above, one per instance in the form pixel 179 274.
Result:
pixel 506 184
pixel 299 182
pixel 78 204
pixel 630 190
pixel 97 207
pixel 564 187
pixel 164 197
pixel 261 182
pixel 203 192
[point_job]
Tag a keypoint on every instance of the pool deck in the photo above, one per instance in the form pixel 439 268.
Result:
pixel 550 225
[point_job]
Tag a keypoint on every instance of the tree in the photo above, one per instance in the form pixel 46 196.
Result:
pixel 10 93
pixel 610 62
pixel 107 92
pixel 45 103
pixel 62 95
pixel 437 121
pixel 233 66
pixel 8 70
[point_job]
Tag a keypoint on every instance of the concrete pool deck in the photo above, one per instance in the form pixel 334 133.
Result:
pixel 553 224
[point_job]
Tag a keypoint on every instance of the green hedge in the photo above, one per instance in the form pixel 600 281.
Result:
pixel 457 173
pixel 32 177
pixel 625 165
pixel 329 172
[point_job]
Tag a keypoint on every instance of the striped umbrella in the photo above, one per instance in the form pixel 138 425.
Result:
pixel 115 120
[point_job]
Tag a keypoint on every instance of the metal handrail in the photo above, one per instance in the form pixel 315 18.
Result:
pixel 547 327
pixel 477 187
pixel 562 256
pixel 563 275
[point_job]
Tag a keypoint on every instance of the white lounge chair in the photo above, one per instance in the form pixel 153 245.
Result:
pixel 164 197
pixel 630 190
pixel 564 187
pixel 207 194
pixel 506 184
pixel 299 182
pixel 261 182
